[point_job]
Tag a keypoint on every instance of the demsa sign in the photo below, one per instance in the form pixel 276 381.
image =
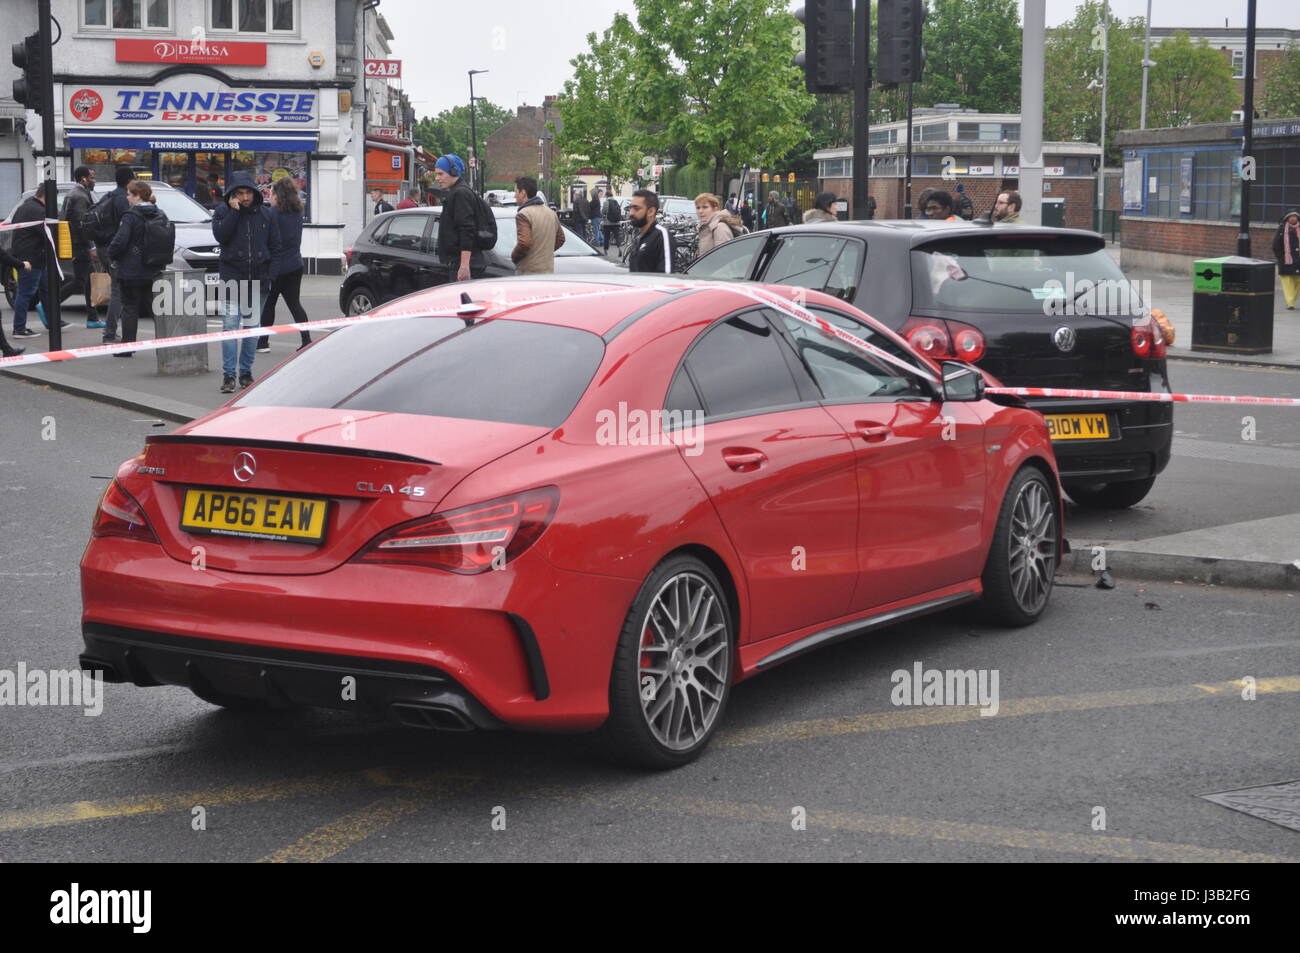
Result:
pixel 220 53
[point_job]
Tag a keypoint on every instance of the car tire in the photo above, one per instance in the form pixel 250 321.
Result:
pixel 1110 496
pixel 697 648
pixel 360 300
pixel 1021 564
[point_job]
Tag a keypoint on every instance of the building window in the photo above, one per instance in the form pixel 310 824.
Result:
pixel 1212 184
pixel 988 131
pixel 835 168
pixel 127 14
pixel 935 131
pixel 253 16
pixel 883 137
pixel 1276 189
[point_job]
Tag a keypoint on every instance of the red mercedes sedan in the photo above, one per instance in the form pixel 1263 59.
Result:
pixel 569 506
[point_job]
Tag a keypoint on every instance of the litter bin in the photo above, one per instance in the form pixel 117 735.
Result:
pixel 184 311
pixel 1232 305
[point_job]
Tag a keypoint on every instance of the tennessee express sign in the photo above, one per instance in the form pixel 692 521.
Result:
pixel 200 103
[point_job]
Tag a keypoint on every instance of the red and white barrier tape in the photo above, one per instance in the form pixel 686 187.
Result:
pixel 1142 395
pixel 757 294
pixel 326 324
pixel 48 237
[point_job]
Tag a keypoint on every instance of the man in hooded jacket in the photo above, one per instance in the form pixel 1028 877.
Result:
pixel 243 226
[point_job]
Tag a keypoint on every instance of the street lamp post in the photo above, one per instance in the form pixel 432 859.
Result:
pixel 1146 67
pixel 475 177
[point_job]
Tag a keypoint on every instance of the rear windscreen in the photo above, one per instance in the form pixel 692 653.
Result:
pixel 513 372
pixel 1031 274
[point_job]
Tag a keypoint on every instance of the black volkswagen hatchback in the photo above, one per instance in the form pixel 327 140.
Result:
pixel 1035 307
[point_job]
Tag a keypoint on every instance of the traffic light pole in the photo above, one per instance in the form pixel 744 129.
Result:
pixel 53 311
pixel 861 88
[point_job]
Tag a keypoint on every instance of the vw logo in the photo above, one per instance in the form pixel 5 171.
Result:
pixel 1064 339
pixel 245 467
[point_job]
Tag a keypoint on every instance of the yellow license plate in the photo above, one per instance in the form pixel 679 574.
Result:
pixel 292 519
pixel 1077 426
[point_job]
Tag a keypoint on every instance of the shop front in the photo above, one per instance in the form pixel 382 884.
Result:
pixel 194 133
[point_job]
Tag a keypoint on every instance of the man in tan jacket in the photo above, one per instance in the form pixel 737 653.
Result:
pixel 539 231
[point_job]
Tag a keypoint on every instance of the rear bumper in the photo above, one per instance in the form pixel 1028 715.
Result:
pixel 1139 445
pixel 532 644
pixel 416 695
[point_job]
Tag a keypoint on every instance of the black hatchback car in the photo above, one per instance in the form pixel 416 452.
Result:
pixel 395 256
pixel 1035 307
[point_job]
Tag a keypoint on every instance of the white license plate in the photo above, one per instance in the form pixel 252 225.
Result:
pixel 211 278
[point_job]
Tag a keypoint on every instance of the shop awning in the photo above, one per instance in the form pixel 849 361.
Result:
pixel 207 140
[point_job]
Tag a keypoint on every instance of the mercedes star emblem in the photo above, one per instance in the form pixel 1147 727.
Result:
pixel 245 467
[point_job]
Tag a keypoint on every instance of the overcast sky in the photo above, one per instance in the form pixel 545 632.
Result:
pixel 526 45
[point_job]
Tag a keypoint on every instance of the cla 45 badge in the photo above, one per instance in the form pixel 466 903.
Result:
pixel 412 491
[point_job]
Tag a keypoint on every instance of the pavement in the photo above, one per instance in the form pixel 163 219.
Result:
pixel 1259 553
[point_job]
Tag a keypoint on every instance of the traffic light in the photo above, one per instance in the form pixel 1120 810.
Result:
pixel 827 59
pixel 899 56
pixel 29 89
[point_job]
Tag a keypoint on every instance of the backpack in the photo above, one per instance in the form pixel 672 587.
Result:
pixel 100 221
pixel 613 213
pixel 158 246
pixel 485 224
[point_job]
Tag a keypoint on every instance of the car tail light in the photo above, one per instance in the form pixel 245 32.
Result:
pixel 1141 338
pixel 119 514
pixel 470 539
pixel 928 337
pixel 942 340
pixel 348 255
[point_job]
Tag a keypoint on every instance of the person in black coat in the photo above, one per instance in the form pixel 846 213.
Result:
pixel 250 242
pixel 458 225
pixel 287 267
pixel 9 261
pixel 29 244
pixel 580 216
pixel 1286 249
pixel 127 252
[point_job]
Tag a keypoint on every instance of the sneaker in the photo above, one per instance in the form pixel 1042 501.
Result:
pixel 264 348
pixel 227 385
pixel 125 354
pixel 13 351
pixel 64 324
pixel 111 339
pixel 27 333
pixel 245 380
pixel 94 324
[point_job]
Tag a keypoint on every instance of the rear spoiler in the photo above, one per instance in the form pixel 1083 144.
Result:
pixel 184 438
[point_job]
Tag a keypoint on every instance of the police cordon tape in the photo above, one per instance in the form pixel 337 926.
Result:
pixel 48 237
pixel 475 308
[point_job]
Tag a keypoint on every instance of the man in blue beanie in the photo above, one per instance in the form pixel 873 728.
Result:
pixel 457 226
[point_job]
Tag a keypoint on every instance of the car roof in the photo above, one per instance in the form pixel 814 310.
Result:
pixel 598 313
pixel 921 231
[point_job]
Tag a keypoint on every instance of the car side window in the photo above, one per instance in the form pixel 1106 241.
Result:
pixel 740 365
pixel 804 261
pixel 733 260
pixel 405 232
pixel 844 372
pixel 377 233
pixel 843 280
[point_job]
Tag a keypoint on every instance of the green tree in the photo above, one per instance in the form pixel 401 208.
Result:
pixel 1073 61
pixel 596 122
pixel 449 130
pixel 1282 85
pixel 1189 83
pixel 972 55
pixel 719 75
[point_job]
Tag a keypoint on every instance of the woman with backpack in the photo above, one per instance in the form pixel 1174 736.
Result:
pixel 716 225
pixel 286 267
pixel 144 239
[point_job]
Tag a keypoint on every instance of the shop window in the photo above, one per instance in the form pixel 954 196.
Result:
pixel 106 161
pixel 253 16
pixel 127 14
pixel 267 168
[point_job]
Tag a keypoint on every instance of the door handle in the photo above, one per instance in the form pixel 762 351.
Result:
pixel 873 432
pixel 743 459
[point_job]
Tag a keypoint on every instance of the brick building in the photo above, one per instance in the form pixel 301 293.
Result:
pixel 1182 191
pixel 984 150
pixel 522 146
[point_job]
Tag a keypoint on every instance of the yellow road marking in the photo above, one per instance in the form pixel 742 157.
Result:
pixel 56 815
pixel 946 715
pixel 337 836
pixel 1094 845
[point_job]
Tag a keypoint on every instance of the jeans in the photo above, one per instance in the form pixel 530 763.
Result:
pixel 597 237
pixel 235 317
pixel 31 288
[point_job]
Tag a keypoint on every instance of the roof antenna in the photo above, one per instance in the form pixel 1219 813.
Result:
pixel 469 308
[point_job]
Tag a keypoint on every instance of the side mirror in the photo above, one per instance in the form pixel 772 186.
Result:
pixel 961 382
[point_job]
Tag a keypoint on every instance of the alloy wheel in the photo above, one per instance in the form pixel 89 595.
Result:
pixel 684 662
pixel 1032 550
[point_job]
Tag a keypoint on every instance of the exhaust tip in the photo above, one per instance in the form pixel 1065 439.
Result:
pixel 91 664
pixel 435 717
